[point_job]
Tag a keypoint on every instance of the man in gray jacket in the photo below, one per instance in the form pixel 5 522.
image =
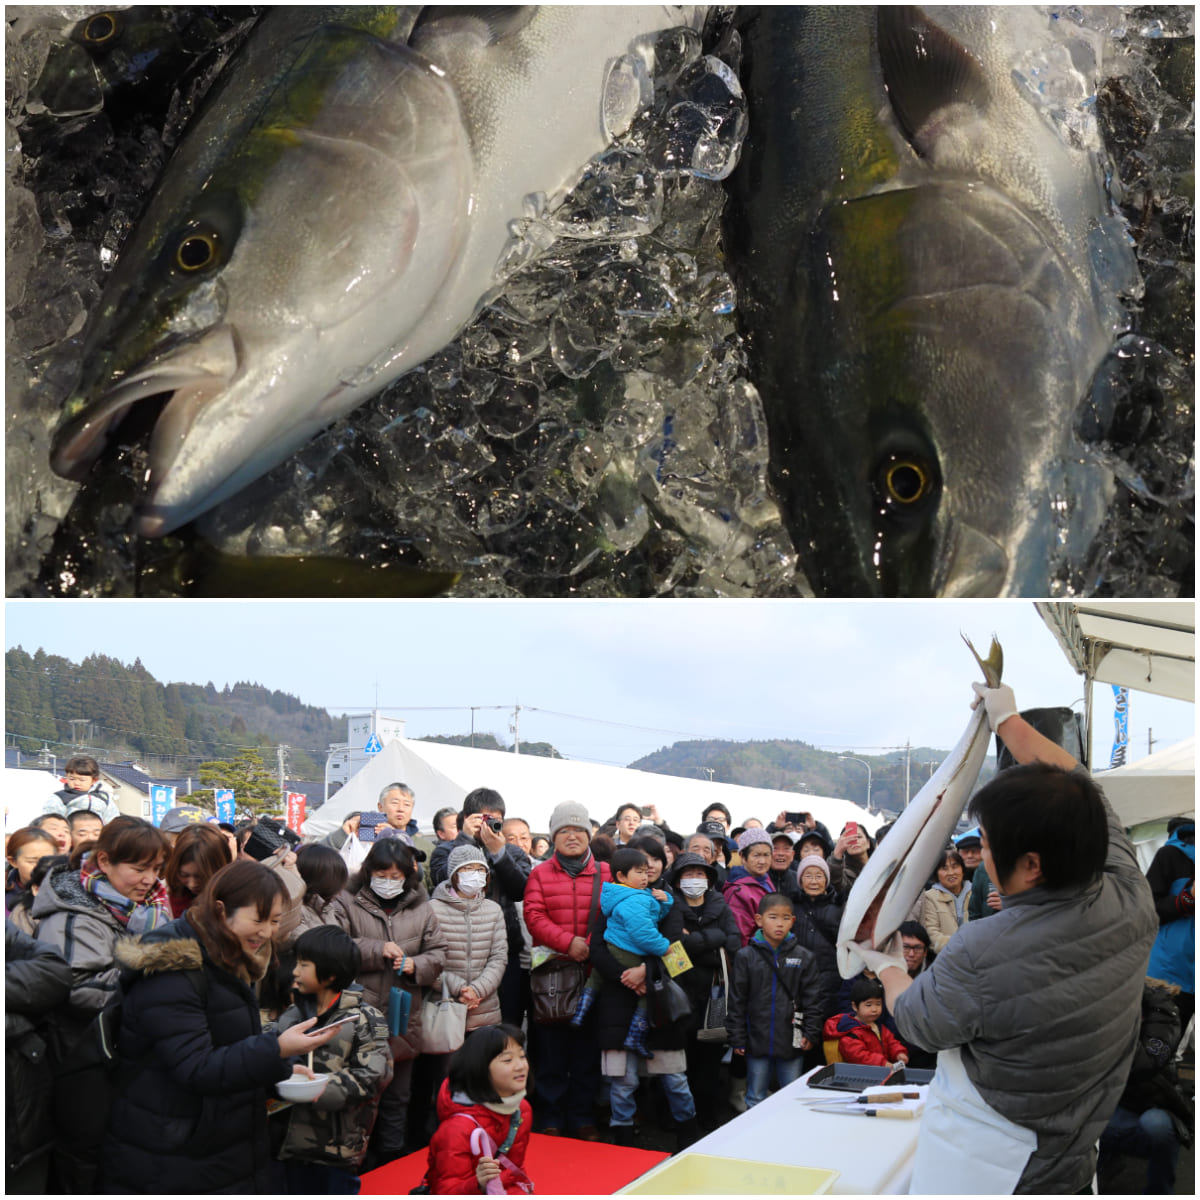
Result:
pixel 1034 1012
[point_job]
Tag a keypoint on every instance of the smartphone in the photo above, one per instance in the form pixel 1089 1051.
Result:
pixel 794 818
pixel 340 1021
pixel 647 810
pixel 851 829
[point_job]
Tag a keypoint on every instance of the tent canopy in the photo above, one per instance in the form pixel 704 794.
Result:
pixel 440 776
pixel 1158 786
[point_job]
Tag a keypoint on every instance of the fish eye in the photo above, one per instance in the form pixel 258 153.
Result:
pixel 100 29
pixel 905 481
pixel 196 251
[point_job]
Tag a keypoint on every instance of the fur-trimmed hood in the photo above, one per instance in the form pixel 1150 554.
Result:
pixel 158 956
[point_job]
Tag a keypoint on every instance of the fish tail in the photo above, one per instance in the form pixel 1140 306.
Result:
pixel 992 666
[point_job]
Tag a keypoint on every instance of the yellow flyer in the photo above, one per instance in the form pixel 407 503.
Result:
pixel 676 959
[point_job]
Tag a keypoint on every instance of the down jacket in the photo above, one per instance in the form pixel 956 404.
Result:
pixel 758 1017
pixel 633 918
pixel 557 905
pixel 508 873
pixel 334 1128
pixel 189 1112
pixel 452 1163
pixel 706 930
pixel 816 929
pixel 875 1046
pixel 476 950
pixel 37 980
pixel 1044 998
pixel 413 926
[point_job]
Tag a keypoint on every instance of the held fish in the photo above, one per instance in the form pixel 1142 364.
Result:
pixel 898 872
pixel 335 216
pixel 916 252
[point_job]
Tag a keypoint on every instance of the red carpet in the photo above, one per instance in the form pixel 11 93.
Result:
pixel 558 1166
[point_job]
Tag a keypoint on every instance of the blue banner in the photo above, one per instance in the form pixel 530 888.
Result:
pixel 224 803
pixel 1121 726
pixel 161 799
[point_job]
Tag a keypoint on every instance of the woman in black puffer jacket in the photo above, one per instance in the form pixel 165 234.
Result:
pixel 190 1112
pixel 818 915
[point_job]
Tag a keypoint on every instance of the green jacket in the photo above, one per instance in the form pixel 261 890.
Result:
pixel 334 1128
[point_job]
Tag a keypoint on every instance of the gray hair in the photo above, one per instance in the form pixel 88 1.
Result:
pixel 704 838
pixel 395 787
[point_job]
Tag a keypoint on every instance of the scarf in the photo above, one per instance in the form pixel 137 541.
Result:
pixel 154 911
pixel 960 901
pixel 506 1108
pixel 574 865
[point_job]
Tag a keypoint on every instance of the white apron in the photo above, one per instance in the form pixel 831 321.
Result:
pixel 965 1146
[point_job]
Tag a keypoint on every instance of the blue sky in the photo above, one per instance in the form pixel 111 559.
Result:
pixel 628 676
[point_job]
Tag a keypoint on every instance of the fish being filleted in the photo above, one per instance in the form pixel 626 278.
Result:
pixel 335 216
pixel 926 274
pixel 898 872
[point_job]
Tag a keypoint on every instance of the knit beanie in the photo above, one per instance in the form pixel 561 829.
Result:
pixel 570 813
pixel 461 855
pixel 752 837
pixel 813 860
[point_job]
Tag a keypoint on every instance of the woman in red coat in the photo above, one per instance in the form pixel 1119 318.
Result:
pixel 560 899
pixel 483 1117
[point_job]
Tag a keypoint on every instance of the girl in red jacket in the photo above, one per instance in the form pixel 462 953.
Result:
pixel 484 1118
pixel 861 1038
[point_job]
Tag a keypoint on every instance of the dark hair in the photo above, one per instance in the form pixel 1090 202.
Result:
pixel 39 823
pixel 716 808
pixel 625 858
pixel 130 840
pixel 44 866
pixel 470 1064
pixel 774 900
pixel 199 844
pixel 865 989
pixel 82 764
pixel 1057 815
pixel 602 847
pixel 323 870
pixel 333 953
pixel 651 847
pixel 440 816
pixel 628 804
pixel 389 852
pixel 949 855
pixel 917 930
pixel 23 837
pixel 243 884
pixel 480 799
pixel 73 818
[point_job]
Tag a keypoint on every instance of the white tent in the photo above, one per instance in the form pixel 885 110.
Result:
pixel 26 792
pixel 1145 793
pixel 440 776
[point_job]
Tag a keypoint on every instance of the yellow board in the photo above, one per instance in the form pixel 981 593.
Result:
pixel 715 1175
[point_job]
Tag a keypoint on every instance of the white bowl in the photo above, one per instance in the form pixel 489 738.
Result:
pixel 300 1089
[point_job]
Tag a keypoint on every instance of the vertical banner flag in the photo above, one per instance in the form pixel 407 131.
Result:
pixel 295 811
pixel 224 802
pixel 161 799
pixel 1121 726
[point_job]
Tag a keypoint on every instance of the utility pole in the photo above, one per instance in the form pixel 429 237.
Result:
pixel 1149 741
pixel 907 771
pixel 472 727
pixel 515 729
pixel 281 754
pixel 76 740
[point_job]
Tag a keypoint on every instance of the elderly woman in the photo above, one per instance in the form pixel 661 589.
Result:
pixel 561 900
pixel 818 915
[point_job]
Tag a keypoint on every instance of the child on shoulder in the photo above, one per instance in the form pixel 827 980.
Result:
pixel 775 1001
pixel 634 911
pixel 861 1036
pixel 324 1142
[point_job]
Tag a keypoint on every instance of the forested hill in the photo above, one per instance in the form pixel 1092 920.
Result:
pixel 133 715
pixel 795 766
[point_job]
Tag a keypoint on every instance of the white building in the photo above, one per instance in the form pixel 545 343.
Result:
pixel 368 733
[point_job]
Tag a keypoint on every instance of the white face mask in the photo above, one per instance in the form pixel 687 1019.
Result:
pixel 470 883
pixel 387 889
pixel 693 887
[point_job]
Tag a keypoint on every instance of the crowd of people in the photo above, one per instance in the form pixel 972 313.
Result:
pixel 457 991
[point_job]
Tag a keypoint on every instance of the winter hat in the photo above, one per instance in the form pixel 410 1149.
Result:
pixel 460 856
pixel 813 860
pixel 692 860
pixel 176 820
pixel 570 813
pixel 817 836
pixel 785 833
pixel 752 837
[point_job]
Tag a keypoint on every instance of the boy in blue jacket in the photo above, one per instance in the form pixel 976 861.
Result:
pixel 776 998
pixel 633 910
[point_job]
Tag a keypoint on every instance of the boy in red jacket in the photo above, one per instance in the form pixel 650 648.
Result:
pixel 860 1036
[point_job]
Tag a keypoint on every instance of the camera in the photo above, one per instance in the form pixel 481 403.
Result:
pixel 494 824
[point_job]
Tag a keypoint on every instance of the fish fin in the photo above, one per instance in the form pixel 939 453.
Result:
pixel 992 666
pixel 924 69
pixel 497 20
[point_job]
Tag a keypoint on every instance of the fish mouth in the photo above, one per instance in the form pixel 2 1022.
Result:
pixel 190 377
pixel 974 564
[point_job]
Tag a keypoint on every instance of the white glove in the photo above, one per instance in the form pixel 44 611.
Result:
pixel 999 702
pixel 892 954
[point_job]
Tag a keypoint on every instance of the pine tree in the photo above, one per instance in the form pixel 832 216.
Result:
pixel 255 788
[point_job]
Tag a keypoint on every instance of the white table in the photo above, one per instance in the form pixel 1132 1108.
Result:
pixel 875 1157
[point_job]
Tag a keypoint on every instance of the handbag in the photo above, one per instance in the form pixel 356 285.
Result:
pixel 443 1023
pixel 399 1006
pixel 713 1027
pixel 668 1002
pixel 557 986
